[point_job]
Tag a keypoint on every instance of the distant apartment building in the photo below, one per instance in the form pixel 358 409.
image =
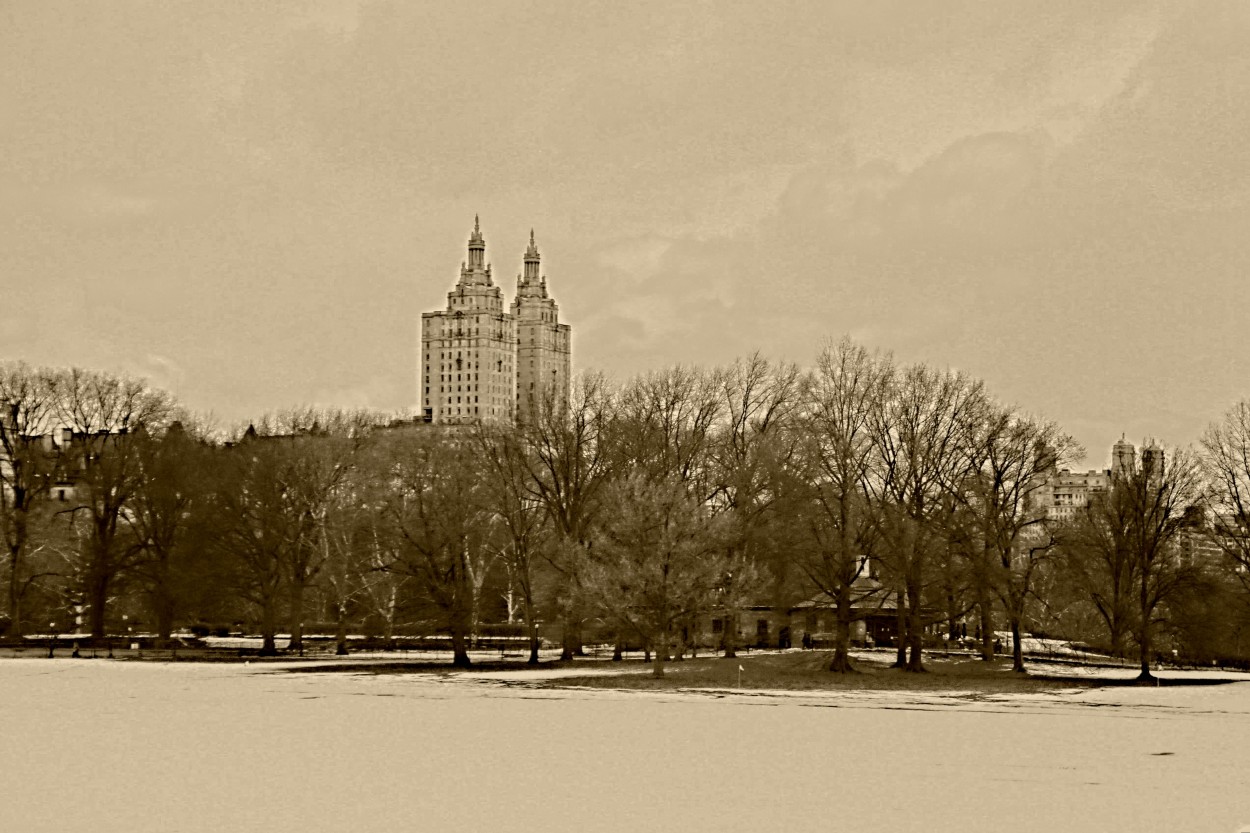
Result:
pixel 480 361
pixel 47 455
pixel 1067 491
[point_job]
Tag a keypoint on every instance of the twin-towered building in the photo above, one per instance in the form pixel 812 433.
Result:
pixel 483 361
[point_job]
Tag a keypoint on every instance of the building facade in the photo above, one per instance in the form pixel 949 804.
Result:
pixel 544 360
pixel 482 361
pixel 1068 491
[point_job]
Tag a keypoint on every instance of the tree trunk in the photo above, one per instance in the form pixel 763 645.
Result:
pixel 1145 676
pixel 841 663
pixel 388 632
pixel 97 599
pixel 618 648
pixel 729 634
pixel 1116 635
pixel 15 596
pixel 15 574
pixel 269 628
pixel 164 615
pixel 460 644
pixel 901 624
pixel 297 616
pixel 657 670
pixel 460 623
pixel 531 625
pixel 952 617
pixel 915 659
pixel 915 635
pixel 1017 649
pixel 1118 615
pixel 985 614
pixel 570 636
pixel 340 631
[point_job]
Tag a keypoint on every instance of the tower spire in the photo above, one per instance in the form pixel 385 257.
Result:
pixel 532 261
pixel 477 247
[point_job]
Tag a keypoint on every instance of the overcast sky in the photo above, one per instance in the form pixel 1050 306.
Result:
pixel 252 203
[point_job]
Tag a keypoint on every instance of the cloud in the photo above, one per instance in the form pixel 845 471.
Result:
pixel 97 201
pixel 18 331
pixel 333 17
pixel 159 371
pixel 634 259
pixel 377 393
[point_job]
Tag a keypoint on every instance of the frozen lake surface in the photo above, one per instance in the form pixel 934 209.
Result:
pixel 107 746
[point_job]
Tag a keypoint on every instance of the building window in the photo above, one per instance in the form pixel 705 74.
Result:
pixel 718 626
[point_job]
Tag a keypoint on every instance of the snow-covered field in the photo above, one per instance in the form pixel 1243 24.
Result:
pixel 126 746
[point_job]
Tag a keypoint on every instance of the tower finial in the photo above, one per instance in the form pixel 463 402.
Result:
pixel 532 259
pixel 477 247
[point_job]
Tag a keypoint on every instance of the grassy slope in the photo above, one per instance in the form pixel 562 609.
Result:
pixel 806 671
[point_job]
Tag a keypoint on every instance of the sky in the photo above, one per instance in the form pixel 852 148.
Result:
pixel 251 204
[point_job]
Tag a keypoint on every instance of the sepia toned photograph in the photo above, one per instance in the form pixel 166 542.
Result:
pixel 574 415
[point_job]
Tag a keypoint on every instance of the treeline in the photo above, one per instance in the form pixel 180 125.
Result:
pixel 634 512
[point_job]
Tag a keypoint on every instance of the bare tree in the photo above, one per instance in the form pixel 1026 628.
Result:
pixel 521 520
pixel 1009 461
pixel 357 550
pixel 321 446
pixel 664 423
pixel 1122 549
pixel 256 529
pixel 748 458
pixel 659 558
pixel 27 469
pixel 439 516
pixel 1226 464
pixel 1098 558
pixel 847 388
pixel 1161 492
pixel 104 412
pixel 167 509
pixel 569 465
pixel 918 435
